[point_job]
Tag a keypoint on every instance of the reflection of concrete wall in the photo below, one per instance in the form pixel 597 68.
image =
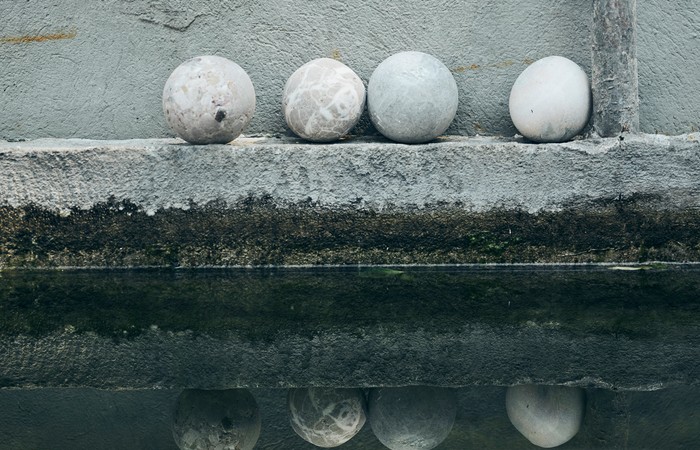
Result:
pixel 97 69
pixel 82 419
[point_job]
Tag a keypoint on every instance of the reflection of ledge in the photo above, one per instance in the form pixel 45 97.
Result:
pixel 266 201
pixel 376 327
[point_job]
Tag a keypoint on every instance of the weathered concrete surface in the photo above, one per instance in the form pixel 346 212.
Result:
pixel 97 70
pixel 279 202
pixel 85 419
pixel 614 74
pixel 668 38
pixel 217 330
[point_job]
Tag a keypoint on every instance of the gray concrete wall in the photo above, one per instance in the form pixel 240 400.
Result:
pixel 96 69
pixel 668 49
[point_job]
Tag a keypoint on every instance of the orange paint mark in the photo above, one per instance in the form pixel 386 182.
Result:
pixel 461 69
pixel 41 38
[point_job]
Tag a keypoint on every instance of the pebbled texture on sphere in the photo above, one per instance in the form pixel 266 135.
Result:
pixel 548 416
pixel 208 100
pixel 551 100
pixel 412 97
pixel 413 417
pixel 323 100
pixel 326 417
pixel 216 420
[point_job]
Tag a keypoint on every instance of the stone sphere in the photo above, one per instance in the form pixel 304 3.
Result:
pixel 412 97
pixel 326 417
pixel 216 420
pixel 323 100
pixel 208 100
pixel 551 100
pixel 548 416
pixel 412 418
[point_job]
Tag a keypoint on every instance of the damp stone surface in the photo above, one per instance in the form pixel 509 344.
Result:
pixel 208 100
pixel 323 100
pixel 326 417
pixel 412 97
pixel 548 416
pixel 412 417
pixel 216 420
pixel 551 100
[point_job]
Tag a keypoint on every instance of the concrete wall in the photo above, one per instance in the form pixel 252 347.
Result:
pixel 96 69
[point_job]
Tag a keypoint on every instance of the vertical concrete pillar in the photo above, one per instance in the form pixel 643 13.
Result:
pixel 615 82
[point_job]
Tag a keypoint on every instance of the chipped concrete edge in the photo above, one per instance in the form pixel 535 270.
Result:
pixel 475 174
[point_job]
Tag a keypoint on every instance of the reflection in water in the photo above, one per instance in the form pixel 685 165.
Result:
pixel 216 420
pixel 412 417
pixel 89 419
pixel 326 417
pixel 548 416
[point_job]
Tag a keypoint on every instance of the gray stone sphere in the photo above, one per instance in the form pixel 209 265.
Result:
pixel 412 97
pixel 326 417
pixel 551 100
pixel 216 420
pixel 208 100
pixel 412 418
pixel 323 100
pixel 548 416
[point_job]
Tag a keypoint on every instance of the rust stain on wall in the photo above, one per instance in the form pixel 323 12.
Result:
pixel 498 65
pixel 39 38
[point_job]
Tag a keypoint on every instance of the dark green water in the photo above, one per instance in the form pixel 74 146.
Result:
pixel 656 306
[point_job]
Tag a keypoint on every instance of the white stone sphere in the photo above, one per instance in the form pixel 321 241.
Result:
pixel 412 97
pixel 216 420
pixel 548 416
pixel 323 100
pixel 326 417
pixel 208 100
pixel 413 417
pixel 551 100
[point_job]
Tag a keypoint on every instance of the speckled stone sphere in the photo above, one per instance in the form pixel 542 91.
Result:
pixel 548 416
pixel 551 100
pixel 323 100
pixel 412 418
pixel 216 420
pixel 412 97
pixel 326 417
pixel 208 100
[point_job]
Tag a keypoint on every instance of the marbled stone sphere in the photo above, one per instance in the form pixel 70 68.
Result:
pixel 216 420
pixel 551 100
pixel 548 416
pixel 326 417
pixel 412 418
pixel 208 100
pixel 323 100
pixel 412 97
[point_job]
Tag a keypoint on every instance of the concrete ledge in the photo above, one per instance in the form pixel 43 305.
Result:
pixel 475 173
pixel 266 201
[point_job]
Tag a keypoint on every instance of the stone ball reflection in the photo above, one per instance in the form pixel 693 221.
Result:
pixel 548 416
pixel 326 417
pixel 208 420
pixel 413 417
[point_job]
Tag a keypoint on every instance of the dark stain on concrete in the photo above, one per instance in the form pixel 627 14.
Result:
pixel 258 232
